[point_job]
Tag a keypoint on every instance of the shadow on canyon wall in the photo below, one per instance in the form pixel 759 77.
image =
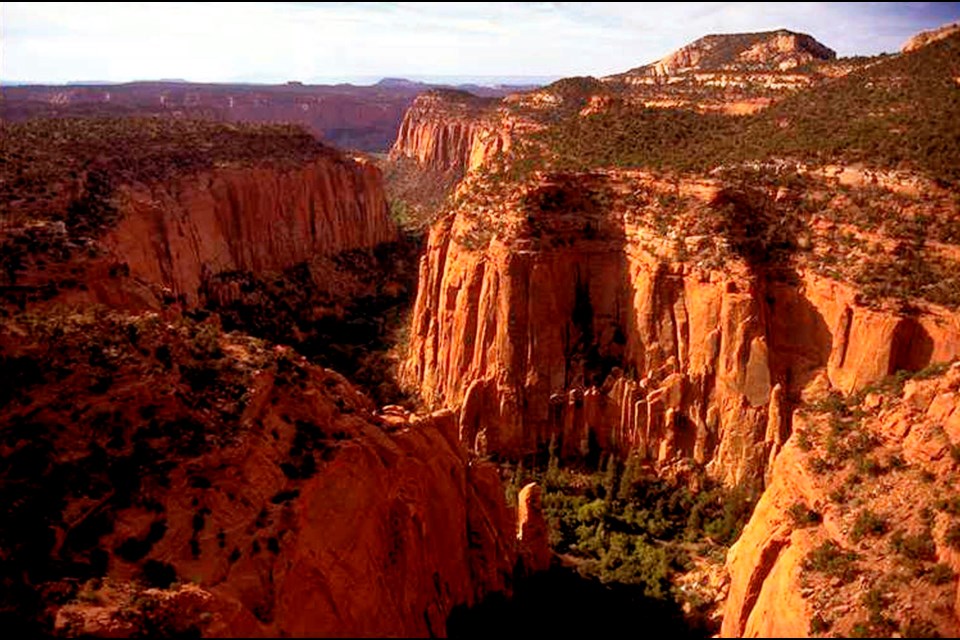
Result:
pixel 346 313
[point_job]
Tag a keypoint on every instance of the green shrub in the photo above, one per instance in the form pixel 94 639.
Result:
pixel 920 629
pixel 870 466
pixel 868 523
pixel 876 603
pixel 159 574
pixel 955 453
pixel 803 516
pixel 939 574
pixel 952 536
pixel 949 505
pixel 818 465
pixel 915 547
pixel 818 624
pixel 830 559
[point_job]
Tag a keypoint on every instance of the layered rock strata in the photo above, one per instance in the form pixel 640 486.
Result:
pixel 451 132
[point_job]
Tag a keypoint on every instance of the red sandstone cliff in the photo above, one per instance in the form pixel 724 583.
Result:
pixel 274 487
pixel 573 317
pixel 171 236
pixel 453 132
pixel 254 219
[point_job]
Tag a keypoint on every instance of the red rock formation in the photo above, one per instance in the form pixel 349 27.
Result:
pixel 738 73
pixel 172 235
pixel 387 538
pixel 776 592
pixel 532 532
pixel 567 323
pixel 450 131
pixel 924 38
pixel 497 334
pixel 304 513
pixel 773 50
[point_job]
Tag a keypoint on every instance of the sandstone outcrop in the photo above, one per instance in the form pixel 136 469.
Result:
pixel 451 132
pixel 924 38
pixel 275 488
pixel 736 73
pixel 143 213
pixel 775 50
pixel 839 545
pixel 532 532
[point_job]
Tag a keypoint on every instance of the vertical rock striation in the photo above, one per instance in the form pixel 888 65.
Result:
pixel 568 324
pixel 259 219
pixel 447 131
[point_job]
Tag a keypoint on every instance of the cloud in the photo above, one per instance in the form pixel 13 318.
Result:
pixel 56 42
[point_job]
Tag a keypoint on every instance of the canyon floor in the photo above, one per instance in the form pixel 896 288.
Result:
pixel 679 345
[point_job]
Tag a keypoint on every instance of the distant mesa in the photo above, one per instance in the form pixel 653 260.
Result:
pixel 400 83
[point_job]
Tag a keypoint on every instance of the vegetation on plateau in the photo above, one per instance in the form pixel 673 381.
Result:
pixel 349 312
pixel 890 508
pixel 901 113
pixel 101 410
pixel 67 168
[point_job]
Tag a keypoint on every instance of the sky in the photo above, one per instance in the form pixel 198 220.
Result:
pixel 361 42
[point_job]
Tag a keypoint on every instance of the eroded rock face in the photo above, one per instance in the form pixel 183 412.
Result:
pixel 450 132
pixel 175 235
pixel 566 322
pixel 783 584
pixel 300 511
pixel 775 50
pixel 511 337
pixel 737 73
pixel 532 532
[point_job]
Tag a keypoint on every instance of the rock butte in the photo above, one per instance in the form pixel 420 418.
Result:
pixel 924 38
